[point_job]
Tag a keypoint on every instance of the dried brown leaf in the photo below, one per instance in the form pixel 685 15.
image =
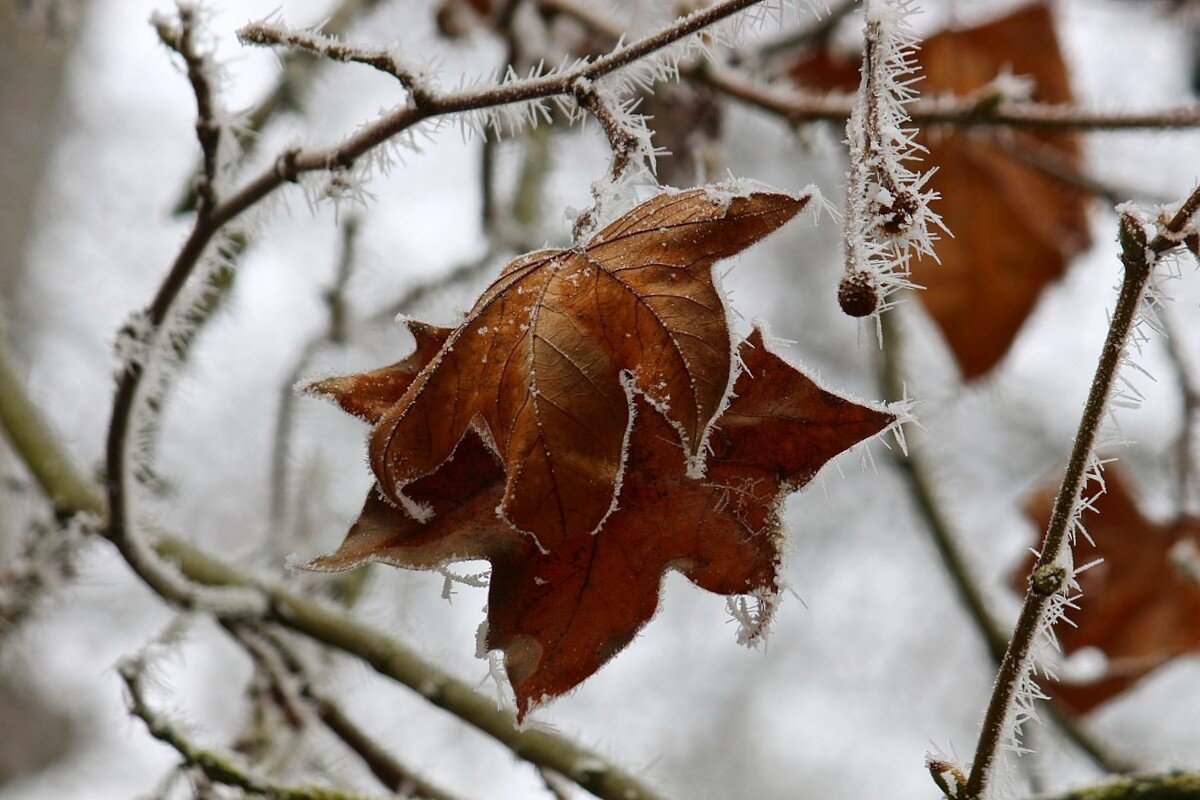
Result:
pixel 538 364
pixel 560 615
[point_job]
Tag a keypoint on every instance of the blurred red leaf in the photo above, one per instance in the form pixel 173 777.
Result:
pixel 1014 227
pixel 559 615
pixel 538 364
pixel 1140 606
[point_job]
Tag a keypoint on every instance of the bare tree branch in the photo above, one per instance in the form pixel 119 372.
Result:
pixel 217 767
pixel 922 485
pixel 182 39
pixel 325 46
pixel 336 333
pixel 1049 580
pixel 289 166
pixel 798 107
pixel 289 676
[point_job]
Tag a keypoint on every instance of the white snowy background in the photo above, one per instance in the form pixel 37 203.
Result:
pixel 876 667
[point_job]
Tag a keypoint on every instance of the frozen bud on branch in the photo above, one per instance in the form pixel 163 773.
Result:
pixel 858 293
pixel 948 777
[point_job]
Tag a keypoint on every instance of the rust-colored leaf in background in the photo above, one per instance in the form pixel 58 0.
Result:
pixel 1014 228
pixel 560 615
pixel 538 364
pixel 1140 606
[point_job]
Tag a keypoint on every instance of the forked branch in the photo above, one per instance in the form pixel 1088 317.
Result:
pixel 181 38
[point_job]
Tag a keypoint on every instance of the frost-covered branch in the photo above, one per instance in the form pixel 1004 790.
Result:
pixel 799 107
pixel 219 768
pixel 295 76
pixel 290 677
pixel 1052 578
pixel 393 659
pixel 181 37
pixel 629 140
pixel 325 46
pixel 887 218
pixel 920 476
pixel 624 141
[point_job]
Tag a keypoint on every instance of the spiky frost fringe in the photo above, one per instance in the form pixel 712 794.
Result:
pixel 888 219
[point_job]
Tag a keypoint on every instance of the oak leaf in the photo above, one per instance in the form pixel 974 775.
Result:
pixel 559 615
pixel 1015 228
pixel 539 365
pixel 1140 605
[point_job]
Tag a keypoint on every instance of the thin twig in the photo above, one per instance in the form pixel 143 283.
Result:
pixel 297 72
pixel 289 166
pixel 1050 161
pixel 799 107
pixel 325 46
pixel 805 37
pixel 1048 579
pixel 1189 392
pixel 621 141
pixel 289 676
pixel 217 767
pixel 396 661
pixel 336 333
pixel 182 39
pixel 553 783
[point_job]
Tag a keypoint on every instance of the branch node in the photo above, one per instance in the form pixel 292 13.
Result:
pixel 1048 579
pixel 286 166
pixel 948 777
